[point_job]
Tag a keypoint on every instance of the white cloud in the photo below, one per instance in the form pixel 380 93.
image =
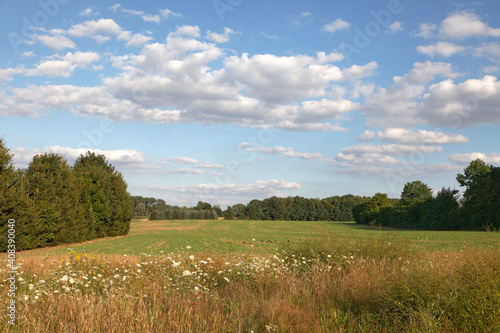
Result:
pixel 64 66
pixel 138 39
pixel 173 82
pixel 356 72
pixel 186 31
pixel 156 18
pixel 489 50
pixel 7 73
pixel 27 54
pixel 91 28
pixel 187 171
pixel 194 162
pixel 87 12
pixel 304 17
pixel 283 151
pixel 56 42
pixel 444 49
pixel 396 106
pixel 392 149
pixel 426 30
pixel 281 79
pixel 403 135
pixel 367 136
pixel 466 24
pixel 257 188
pixel 220 38
pixel 465 104
pixel 396 26
pixel 492 158
pixel 336 25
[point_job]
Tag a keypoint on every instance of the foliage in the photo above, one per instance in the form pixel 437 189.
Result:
pixel 417 209
pixel 54 203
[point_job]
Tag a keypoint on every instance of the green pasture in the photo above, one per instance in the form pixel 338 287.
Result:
pixel 262 237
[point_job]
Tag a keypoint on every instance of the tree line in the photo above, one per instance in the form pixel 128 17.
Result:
pixel 417 208
pixel 55 203
pixel 335 208
pixel 158 209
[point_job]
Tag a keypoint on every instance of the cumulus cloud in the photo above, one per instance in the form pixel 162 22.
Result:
pixel 396 26
pixel 56 42
pixel 63 66
pixel 466 24
pixel 444 49
pixel 492 158
pixel 255 189
pixel 402 135
pixel 7 73
pixel 194 162
pixel 426 30
pixel 283 151
pixel 156 18
pixel 220 38
pixel 465 104
pixel 336 25
pixel 174 81
pixel 281 79
pixel 458 25
pixel 396 106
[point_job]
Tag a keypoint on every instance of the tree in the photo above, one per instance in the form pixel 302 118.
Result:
pixel 228 214
pixel 481 197
pixel 414 192
pixel 254 210
pixel 112 205
pixel 368 211
pixel 442 214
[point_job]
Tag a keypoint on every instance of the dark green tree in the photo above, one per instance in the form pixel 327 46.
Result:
pixel 481 197
pixel 414 192
pixel 228 213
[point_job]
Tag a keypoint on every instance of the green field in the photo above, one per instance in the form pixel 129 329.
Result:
pixel 263 237
pixel 261 276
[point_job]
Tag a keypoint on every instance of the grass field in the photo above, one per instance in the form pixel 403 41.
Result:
pixel 261 237
pixel 261 276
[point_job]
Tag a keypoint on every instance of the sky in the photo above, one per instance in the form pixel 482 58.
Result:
pixel 226 101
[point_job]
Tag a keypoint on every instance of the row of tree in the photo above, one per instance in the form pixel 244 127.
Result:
pixel 54 203
pixel 157 209
pixel 478 209
pixel 336 208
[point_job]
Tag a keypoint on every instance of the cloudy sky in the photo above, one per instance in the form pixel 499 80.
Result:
pixel 229 100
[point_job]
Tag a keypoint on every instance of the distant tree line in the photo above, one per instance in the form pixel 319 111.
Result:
pixel 157 209
pixel 336 208
pixel 478 209
pixel 54 203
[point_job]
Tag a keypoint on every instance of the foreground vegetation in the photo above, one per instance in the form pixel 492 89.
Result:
pixel 348 279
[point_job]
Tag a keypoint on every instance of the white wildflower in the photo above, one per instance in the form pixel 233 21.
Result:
pixel 186 273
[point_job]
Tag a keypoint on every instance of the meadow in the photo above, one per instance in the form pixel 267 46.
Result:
pixel 261 276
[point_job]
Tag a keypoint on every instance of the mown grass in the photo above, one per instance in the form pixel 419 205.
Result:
pixel 344 279
pixel 261 237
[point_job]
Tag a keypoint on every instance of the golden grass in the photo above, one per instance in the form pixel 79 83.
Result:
pixel 365 287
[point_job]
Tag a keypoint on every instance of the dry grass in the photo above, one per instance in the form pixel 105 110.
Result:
pixel 375 286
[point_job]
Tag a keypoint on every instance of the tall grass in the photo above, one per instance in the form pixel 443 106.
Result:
pixel 376 285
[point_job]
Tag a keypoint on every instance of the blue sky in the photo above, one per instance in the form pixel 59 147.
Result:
pixel 229 100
